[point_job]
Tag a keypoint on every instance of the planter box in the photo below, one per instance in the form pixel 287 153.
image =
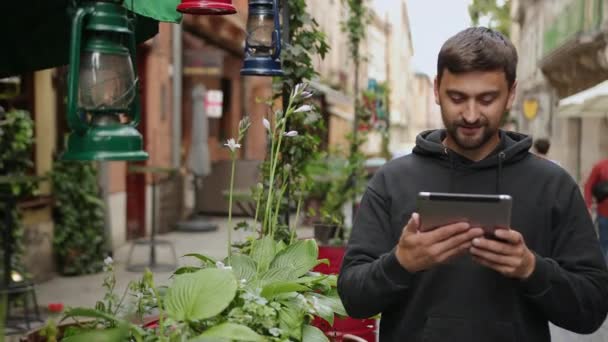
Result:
pixel 364 328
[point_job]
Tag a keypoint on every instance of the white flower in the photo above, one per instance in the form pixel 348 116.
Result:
pixel 306 95
pixel 261 300
pixel 276 332
pixel 221 266
pixel 303 108
pixel 243 281
pixel 299 88
pixel 108 261
pixel 232 145
pixel 291 133
pixel 266 124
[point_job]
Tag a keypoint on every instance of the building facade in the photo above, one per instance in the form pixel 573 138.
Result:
pixel 562 50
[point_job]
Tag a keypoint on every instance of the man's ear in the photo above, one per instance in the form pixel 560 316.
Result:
pixel 512 93
pixel 436 89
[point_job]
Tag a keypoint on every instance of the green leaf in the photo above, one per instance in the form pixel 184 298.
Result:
pixel 89 313
pixel 322 307
pixel 291 317
pixel 106 335
pixel 186 269
pixel 230 331
pixel 200 295
pixel 205 259
pixel 161 10
pixel 302 256
pixel 313 334
pixel 275 275
pixel 263 252
pixel 333 302
pixel 243 267
pixel 271 290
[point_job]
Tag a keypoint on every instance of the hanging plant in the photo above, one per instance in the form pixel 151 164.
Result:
pixel 79 218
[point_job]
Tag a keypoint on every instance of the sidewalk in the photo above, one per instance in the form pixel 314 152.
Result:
pixel 86 290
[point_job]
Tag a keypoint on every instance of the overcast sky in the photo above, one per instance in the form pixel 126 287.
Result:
pixel 431 23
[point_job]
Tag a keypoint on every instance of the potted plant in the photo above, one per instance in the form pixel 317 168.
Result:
pixel 265 291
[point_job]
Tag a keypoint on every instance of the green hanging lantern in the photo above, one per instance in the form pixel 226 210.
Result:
pixel 103 102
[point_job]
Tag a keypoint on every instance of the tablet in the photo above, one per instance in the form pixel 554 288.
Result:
pixel 489 212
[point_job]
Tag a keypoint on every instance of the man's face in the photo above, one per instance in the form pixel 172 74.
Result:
pixel 472 105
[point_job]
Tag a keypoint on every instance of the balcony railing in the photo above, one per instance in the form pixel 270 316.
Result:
pixel 577 17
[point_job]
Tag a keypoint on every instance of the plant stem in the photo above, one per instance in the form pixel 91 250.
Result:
pixel 257 206
pixel 295 222
pixel 275 219
pixel 265 221
pixel 230 206
pixel 161 328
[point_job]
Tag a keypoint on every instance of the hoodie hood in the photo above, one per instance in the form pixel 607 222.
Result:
pixel 512 148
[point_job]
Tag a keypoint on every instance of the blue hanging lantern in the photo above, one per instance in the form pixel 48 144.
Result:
pixel 263 44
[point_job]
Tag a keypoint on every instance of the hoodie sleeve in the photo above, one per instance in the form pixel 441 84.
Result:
pixel 371 276
pixel 570 286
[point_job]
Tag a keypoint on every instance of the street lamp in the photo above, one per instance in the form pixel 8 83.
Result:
pixel 206 7
pixel 103 103
pixel 263 44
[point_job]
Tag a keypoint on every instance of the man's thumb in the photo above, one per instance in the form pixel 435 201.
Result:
pixel 413 224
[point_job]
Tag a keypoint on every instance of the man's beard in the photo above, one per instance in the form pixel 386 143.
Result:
pixel 466 142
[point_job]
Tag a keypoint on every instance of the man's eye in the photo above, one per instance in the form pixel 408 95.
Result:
pixel 457 99
pixel 486 100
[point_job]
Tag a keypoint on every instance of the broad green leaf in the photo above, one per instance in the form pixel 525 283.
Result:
pixel 200 295
pixel 334 302
pixel 271 290
pixel 313 334
pixel 161 10
pixel 290 319
pixel 263 251
pixel 322 306
pixel 275 275
pixel 106 335
pixel 205 259
pixel 243 267
pixel 231 332
pixel 302 256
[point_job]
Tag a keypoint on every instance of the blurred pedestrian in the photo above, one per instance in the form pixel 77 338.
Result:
pixel 596 188
pixel 541 149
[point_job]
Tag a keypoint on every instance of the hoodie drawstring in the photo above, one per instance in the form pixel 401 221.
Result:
pixel 501 158
pixel 452 168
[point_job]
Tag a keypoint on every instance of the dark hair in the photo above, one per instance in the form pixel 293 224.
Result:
pixel 542 145
pixel 478 49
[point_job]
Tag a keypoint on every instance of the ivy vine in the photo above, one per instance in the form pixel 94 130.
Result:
pixel 16 141
pixel 78 242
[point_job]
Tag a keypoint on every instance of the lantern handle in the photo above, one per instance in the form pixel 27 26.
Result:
pixel 277 29
pixel 74 121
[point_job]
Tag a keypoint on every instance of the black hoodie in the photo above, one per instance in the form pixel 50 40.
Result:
pixel 462 300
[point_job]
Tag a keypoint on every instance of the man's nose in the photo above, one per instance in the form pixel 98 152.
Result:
pixel 471 113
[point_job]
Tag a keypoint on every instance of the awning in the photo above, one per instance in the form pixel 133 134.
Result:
pixel 36 34
pixel 591 103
